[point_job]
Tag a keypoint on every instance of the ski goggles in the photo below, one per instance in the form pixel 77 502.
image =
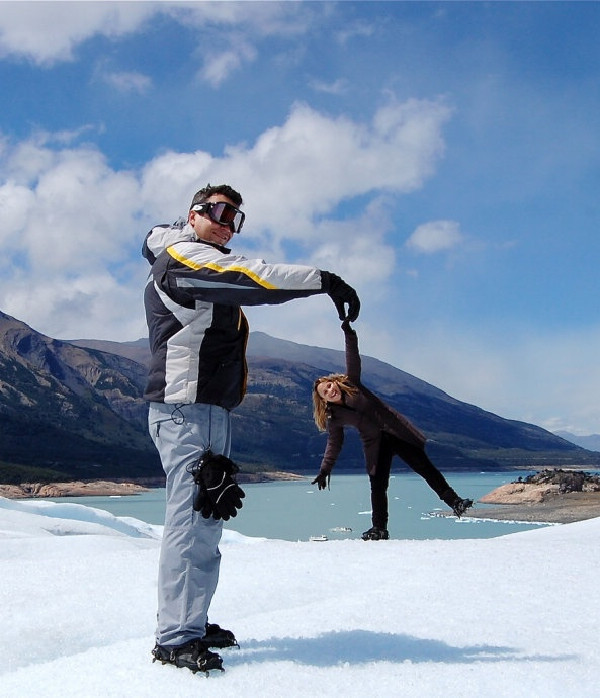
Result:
pixel 222 213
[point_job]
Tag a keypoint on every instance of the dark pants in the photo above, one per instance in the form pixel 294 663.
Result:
pixel 415 458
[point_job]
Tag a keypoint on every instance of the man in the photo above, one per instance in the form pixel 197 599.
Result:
pixel 198 335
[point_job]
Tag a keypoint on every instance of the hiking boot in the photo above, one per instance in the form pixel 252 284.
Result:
pixel 456 503
pixel 376 533
pixel 459 506
pixel 193 655
pixel 216 636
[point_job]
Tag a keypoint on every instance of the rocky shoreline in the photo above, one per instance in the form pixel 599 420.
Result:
pixel 550 496
pixel 562 508
pixel 106 488
pixel 97 488
pixel 543 499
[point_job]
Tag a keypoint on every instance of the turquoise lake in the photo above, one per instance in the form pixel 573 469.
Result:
pixel 297 511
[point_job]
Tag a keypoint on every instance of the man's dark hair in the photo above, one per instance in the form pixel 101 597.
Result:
pixel 203 194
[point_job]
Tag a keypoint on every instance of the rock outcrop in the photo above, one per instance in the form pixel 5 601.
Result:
pixel 519 493
pixel 99 488
pixel 543 485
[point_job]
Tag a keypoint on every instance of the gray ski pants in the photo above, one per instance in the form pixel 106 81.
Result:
pixel 189 557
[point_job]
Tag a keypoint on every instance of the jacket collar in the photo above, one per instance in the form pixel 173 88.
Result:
pixel 221 248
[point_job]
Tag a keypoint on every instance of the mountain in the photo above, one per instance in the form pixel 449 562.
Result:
pixel 76 408
pixel 279 402
pixel 73 411
pixel 138 350
pixel 591 441
pixel 460 435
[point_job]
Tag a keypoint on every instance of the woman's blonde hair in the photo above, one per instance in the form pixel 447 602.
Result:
pixel 320 405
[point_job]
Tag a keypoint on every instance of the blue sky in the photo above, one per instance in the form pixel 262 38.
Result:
pixel 443 157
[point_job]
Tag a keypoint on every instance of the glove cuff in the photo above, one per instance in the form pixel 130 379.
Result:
pixel 328 280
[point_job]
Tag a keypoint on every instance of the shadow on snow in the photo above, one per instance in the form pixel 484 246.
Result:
pixel 362 646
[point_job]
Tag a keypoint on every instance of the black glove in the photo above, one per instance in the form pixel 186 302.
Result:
pixel 322 480
pixel 219 494
pixel 202 503
pixel 340 294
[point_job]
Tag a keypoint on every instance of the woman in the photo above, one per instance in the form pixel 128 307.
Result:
pixel 341 400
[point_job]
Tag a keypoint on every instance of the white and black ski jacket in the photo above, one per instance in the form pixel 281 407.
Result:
pixel 198 332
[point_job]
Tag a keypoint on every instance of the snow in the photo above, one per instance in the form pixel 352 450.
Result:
pixel 512 616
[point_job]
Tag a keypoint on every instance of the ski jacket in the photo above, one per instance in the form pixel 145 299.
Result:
pixel 366 413
pixel 198 332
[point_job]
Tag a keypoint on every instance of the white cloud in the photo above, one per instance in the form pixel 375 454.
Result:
pixel 71 225
pixel 337 87
pixel 217 68
pixel 359 29
pixel 24 30
pixel 80 305
pixel 128 81
pixel 16 203
pixel 74 223
pixel 246 25
pixel 48 32
pixel 260 19
pixel 72 228
pixel 313 162
pixel 299 172
pixel 435 236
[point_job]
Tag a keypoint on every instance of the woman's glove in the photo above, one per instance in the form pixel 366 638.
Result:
pixel 322 480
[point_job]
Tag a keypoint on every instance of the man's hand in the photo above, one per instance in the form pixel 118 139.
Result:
pixel 322 480
pixel 341 293
pixel 219 495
